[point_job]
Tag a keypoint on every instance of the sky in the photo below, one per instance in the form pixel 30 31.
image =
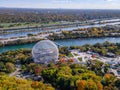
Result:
pixel 65 4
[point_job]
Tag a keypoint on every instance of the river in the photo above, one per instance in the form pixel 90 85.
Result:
pixel 66 42
pixel 36 31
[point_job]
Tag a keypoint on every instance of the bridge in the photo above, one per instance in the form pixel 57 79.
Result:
pixel 59 45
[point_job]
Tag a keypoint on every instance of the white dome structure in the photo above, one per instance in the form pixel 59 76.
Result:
pixel 45 52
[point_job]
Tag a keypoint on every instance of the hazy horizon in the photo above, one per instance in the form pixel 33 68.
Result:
pixel 61 4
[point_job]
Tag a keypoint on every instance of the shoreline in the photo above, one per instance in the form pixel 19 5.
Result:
pixel 35 40
pixel 87 37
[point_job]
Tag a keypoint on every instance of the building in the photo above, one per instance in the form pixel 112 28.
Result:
pixel 45 52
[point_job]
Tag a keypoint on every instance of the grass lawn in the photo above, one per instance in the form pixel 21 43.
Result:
pixel 70 55
pixel 25 24
pixel 75 54
pixel 80 59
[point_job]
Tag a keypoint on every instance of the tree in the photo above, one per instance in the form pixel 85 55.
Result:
pixel 2 66
pixel 99 85
pixel 81 84
pixel 108 82
pixel 35 85
pixel 38 70
pixel 91 85
pixel 117 83
pixel 10 67
pixel 12 83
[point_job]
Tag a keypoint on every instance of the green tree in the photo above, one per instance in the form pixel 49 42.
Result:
pixel 10 67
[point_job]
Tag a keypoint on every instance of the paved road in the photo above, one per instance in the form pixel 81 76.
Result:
pixel 16 72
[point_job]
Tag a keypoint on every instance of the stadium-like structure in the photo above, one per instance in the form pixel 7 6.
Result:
pixel 45 52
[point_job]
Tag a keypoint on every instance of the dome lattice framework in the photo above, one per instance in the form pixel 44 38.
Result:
pixel 45 52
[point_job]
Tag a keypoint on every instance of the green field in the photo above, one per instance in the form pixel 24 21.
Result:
pixel 70 55
pixel 26 24
pixel 80 59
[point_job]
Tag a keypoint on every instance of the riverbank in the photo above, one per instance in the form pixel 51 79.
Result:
pixel 65 42
pixel 83 33
pixel 34 39
pixel 67 26
pixel 93 32
pixel 20 41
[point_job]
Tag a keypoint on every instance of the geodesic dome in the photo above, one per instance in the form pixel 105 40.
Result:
pixel 45 52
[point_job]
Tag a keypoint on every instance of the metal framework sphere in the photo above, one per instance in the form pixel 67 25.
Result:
pixel 45 52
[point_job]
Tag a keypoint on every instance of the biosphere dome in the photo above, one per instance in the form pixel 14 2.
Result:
pixel 45 52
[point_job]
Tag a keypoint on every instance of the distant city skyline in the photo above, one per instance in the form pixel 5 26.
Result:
pixel 65 4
